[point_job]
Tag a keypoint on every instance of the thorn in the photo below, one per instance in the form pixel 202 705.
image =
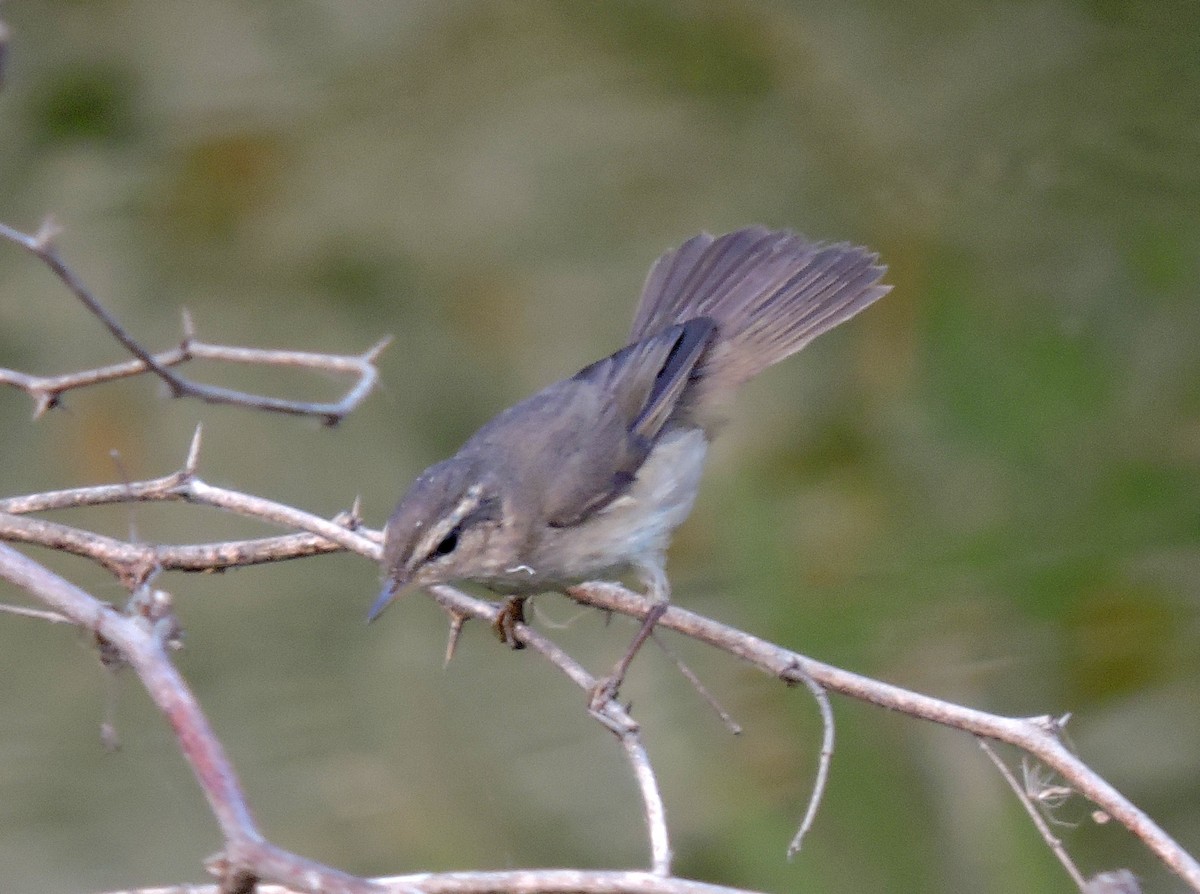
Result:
pixel 189 326
pixel 1055 726
pixel 43 240
pixel 114 456
pixel 456 627
pixel 193 455
pixel 348 519
pixel 355 513
pixel 109 738
pixel 22 612
pixel 43 403
pixel 372 353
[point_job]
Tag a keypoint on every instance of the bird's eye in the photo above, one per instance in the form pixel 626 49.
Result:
pixel 447 544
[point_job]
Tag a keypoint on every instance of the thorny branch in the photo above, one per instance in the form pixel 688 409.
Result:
pixel 609 712
pixel 141 646
pixel 521 881
pixel 1040 737
pixel 133 563
pixel 47 391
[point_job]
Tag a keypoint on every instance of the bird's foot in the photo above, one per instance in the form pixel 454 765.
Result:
pixel 606 688
pixel 512 613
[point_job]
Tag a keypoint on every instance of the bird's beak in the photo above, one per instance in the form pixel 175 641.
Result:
pixel 390 591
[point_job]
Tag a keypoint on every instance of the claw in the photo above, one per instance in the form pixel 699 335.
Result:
pixel 512 613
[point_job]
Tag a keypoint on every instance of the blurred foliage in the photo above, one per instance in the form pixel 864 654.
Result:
pixel 985 488
pixel 84 104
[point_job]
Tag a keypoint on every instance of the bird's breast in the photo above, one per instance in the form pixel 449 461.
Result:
pixel 636 525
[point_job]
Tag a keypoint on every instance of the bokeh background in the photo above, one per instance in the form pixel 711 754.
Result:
pixel 985 488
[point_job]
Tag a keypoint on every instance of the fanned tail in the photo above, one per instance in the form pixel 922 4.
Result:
pixel 769 293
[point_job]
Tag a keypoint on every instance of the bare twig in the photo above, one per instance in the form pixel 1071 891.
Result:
pixel 609 712
pixel 1119 881
pixel 556 880
pixel 688 674
pixel 522 881
pixel 1040 737
pixel 47 391
pixel 1039 823
pixel 818 791
pixel 133 563
pixel 139 645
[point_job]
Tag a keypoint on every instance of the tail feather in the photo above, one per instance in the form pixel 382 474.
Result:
pixel 769 293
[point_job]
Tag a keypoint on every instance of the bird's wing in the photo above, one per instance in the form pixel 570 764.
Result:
pixel 619 405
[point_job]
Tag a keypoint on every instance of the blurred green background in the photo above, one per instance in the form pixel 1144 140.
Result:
pixel 984 488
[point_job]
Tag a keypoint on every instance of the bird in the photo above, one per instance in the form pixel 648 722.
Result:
pixel 588 478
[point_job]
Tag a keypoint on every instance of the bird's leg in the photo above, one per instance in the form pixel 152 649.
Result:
pixel 512 613
pixel 658 591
